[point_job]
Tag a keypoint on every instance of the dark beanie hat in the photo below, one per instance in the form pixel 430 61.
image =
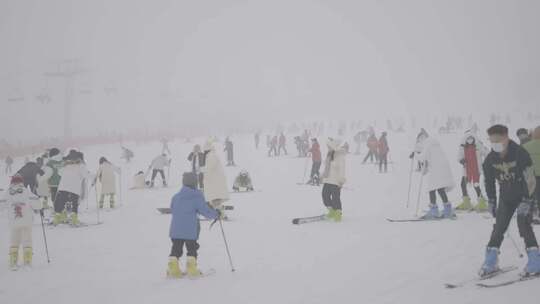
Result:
pixel 53 152
pixel 189 179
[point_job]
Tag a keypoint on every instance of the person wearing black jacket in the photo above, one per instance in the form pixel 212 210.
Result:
pixel 511 166
pixel 29 173
pixel 197 158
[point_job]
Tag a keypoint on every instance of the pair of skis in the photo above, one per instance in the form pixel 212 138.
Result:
pixel 479 281
pixel 421 219
pixel 168 210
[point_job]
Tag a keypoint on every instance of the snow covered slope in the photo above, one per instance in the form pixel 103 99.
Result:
pixel 364 259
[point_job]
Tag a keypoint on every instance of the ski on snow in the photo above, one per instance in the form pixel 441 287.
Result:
pixel 476 279
pixel 168 210
pixel 310 219
pixel 203 274
pixel 524 278
pixel 419 219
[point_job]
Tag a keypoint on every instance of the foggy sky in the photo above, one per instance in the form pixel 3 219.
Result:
pixel 171 64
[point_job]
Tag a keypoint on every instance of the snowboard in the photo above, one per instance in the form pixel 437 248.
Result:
pixel 310 219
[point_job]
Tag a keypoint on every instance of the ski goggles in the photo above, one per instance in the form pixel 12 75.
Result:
pixel 16 191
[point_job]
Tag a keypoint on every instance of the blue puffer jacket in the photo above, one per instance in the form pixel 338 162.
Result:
pixel 185 206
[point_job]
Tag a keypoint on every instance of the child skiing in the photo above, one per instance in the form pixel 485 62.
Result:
pixel 436 169
pixel 185 228
pixel 333 179
pixel 21 203
pixel 471 155
pixel 510 165
pixel 106 176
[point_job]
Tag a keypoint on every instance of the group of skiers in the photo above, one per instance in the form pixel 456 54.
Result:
pixel 59 179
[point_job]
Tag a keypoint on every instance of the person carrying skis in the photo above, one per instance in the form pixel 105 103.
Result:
pixel 73 173
pixel 533 147
pixel 106 176
pixel 382 151
pixel 243 180
pixel 282 144
pixel 215 183
pixel 196 157
pixel 316 159
pixel 436 170
pixel 333 178
pixel 158 166
pixel 229 148
pixel 30 172
pixel 127 154
pixel 185 227
pixel 471 155
pixel 21 203
pixel 511 166
pixel 372 144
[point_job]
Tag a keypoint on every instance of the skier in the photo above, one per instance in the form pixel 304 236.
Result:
pixel 333 178
pixel 229 148
pixel 157 166
pixel 106 176
pixel 185 227
pixel 21 203
pixel 9 164
pixel 372 148
pixel 196 157
pixel 43 191
pixel 29 173
pixel 316 159
pixel 418 147
pixel 533 147
pixel 273 146
pixel 51 170
pixel 510 165
pixel 523 136
pixel 165 146
pixel 127 154
pixel 215 182
pixel 382 150
pixel 282 144
pixel 243 180
pixel 436 169
pixel 471 155
pixel 73 174
pixel 257 139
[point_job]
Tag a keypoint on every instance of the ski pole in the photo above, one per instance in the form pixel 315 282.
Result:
pixel 305 171
pixel 515 245
pixel 97 203
pixel 120 189
pixel 410 183
pixel 226 245
pixel 45 237
pixel 419 192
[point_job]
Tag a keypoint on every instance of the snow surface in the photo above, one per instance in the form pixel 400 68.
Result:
pixel 364 259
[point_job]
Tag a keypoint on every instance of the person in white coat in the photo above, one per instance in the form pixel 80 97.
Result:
pixel 21 205
pixel 106 175
pixel 333 178
pixel 74 173
pixel 437 172
pixel 215 182
pixel 158 166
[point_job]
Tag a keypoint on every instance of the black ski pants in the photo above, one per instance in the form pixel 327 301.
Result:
pixel 433 196
pixel 178 246
pixel 62 198
pixel 505 212
pixel 331 195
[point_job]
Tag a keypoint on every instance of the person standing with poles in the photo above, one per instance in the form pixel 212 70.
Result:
pixel 382 150
pixel 215 183
pixel 333 178
pixel 316 158
pixel 185 227
pixel 533 147
pixel 511 166
pixel 21 203
pixel 106 176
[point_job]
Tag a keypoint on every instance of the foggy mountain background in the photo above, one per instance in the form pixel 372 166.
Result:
pixel 157 65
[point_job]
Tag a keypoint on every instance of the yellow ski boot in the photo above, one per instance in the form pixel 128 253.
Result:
pixel 338 214
pixel 13 257
pixel 173 269
pixel 482 205
pixel 465 205
pixel 192 271
pixel 27 256
pixel 74 219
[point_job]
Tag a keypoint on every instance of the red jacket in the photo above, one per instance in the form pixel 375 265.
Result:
pixel 315 152
pixel 372 143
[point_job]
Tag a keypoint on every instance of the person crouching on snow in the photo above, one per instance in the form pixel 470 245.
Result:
pixel 185 227
pixel 21 203
pixel 333 179
pixel 243 180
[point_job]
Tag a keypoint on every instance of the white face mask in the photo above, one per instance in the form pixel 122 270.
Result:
pixel 470 141
pixel 497 147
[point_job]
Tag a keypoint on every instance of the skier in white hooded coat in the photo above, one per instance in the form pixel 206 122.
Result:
pixel 437 172
pixel 215 182
pixel 334 178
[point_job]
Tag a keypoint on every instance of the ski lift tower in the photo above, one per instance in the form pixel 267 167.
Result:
pixel 68 70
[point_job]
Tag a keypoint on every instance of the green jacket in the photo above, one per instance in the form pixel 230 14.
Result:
pixel 533 147
pixel 55 165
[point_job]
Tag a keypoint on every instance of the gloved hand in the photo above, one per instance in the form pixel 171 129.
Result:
pixel 462 161
pixel 41 212
pixel 492 205
pixel 525 207
pixel 412 155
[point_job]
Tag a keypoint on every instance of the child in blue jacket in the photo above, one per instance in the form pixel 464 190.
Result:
pixel 186 205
